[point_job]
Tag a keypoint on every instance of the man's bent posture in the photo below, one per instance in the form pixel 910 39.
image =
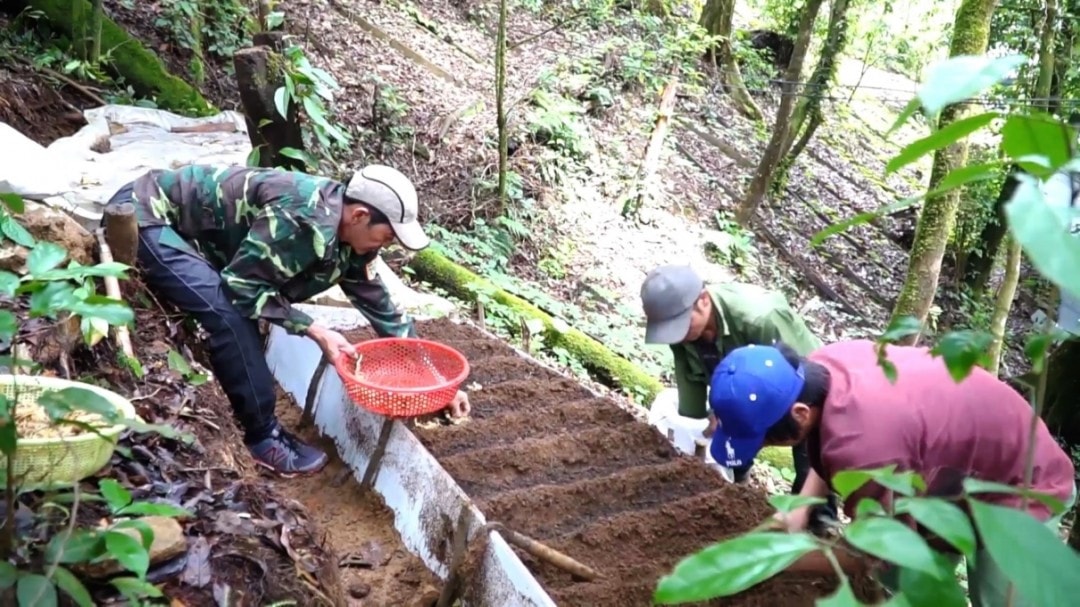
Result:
pixel 231 245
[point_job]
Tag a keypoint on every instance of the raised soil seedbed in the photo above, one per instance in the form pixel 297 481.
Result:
pixel 544 456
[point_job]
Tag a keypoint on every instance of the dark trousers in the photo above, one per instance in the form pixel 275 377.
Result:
pixel 189 282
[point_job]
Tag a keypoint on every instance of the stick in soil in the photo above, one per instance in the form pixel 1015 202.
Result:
pixel 112 290
pixel 374 463
pixel 534 548
pixel 313 388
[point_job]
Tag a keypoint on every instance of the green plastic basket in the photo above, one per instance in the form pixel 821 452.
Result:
pixel 49 463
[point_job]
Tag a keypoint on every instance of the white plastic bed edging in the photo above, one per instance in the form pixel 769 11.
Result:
pixel 425 499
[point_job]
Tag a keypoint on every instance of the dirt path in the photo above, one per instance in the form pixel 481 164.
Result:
pixel 358 524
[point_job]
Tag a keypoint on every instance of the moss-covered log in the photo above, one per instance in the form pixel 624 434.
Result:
pixel 138 65
pixel 606 366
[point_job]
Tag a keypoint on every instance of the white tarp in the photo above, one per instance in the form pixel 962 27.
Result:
pixel 71 175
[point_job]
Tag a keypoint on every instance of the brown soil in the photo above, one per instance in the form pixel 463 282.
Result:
pixel 575 472
pixel 33 107
pixel 358 524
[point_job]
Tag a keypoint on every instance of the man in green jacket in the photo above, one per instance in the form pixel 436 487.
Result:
pixel 702 325
pixel 232 245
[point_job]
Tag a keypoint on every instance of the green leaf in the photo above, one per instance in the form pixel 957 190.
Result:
pixel 909 111
pixel 1043 234
pixel 11 228
pixel 963 77
pixel 128 551
pixel 1042 567
pixel 178 363
pixel 892 541
pixel 868 507
pixel 1026 135
pixel 965 175
pixel 82 546
pixel 787 503
pixel 109 310
pixel 13 202
pixel 900 328
pixel 945 519
pixel 943 137
pixel 918 589
pixel 861 218
pixel 72 587
pixel 732 566
pixel 8 325
pixel 58 403
pixel 146 533
pixel 963 350
pixel 153 509
pixel 51 298
pixel 8 283
pixel 1035 349
pixel 34 590
pixel 281 102
pixel 44 257
pixel 117 496
pixel 9 436
pixel 843 597
pixel 974 486
pixel 8 575
pixel 135 589
pixel 847 482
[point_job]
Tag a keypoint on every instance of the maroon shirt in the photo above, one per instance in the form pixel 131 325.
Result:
pixel 928 423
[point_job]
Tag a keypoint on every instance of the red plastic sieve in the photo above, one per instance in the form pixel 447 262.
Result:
pixel 402 377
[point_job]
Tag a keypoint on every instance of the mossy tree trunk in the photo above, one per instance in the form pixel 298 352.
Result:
pixel 978 263
pixel 602 363
pixel 971 33
pixel 716 18
pixel 138 65
pixel 771 157
pixel 808 115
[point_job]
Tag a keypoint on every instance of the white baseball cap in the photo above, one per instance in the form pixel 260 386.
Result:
pixel 388 190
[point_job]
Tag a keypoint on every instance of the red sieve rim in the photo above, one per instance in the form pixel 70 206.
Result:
pixel 375 344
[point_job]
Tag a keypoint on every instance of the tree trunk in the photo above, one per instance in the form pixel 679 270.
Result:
pixel 500 106
pixel 258 77
pixel 971 32
pixel 716 18
pixel 1061 405
pixel 771 157
pixel 1006 293
pixel 95 31
pixel 808 116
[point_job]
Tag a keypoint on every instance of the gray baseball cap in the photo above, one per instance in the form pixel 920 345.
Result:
pixel 668 295
pixel 388 190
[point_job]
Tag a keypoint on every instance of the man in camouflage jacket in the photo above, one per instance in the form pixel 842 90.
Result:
pixel 231 245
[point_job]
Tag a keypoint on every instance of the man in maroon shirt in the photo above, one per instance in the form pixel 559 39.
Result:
pixel 839 400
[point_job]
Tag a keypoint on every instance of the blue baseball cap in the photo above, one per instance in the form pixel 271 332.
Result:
pixel 752 388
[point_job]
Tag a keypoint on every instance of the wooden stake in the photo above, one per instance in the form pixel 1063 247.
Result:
pixel 374 463
pixel 122 232
pixel 258 77
pixel 313 388
pixel 656 145
pixel 112 289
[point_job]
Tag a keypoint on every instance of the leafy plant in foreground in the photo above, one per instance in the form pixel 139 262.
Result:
pixel 1033 559
pixel 58 293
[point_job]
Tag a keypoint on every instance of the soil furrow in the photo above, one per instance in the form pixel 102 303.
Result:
pixel 562 458
pixel 555 510
pixel 547 458
pixel 485 432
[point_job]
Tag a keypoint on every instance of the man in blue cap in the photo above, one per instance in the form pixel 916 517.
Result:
pixel 702 324
pixel 841 404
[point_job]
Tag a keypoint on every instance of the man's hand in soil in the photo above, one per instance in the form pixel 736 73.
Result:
pixel 460 407
pixel 333 344
pixel 793 522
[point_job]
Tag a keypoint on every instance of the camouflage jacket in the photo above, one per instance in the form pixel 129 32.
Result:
pixel 273 235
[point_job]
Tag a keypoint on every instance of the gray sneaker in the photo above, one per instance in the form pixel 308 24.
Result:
pixel 287 455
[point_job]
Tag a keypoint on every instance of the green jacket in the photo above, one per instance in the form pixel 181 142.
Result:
pixel 745 314
pixel 273 235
